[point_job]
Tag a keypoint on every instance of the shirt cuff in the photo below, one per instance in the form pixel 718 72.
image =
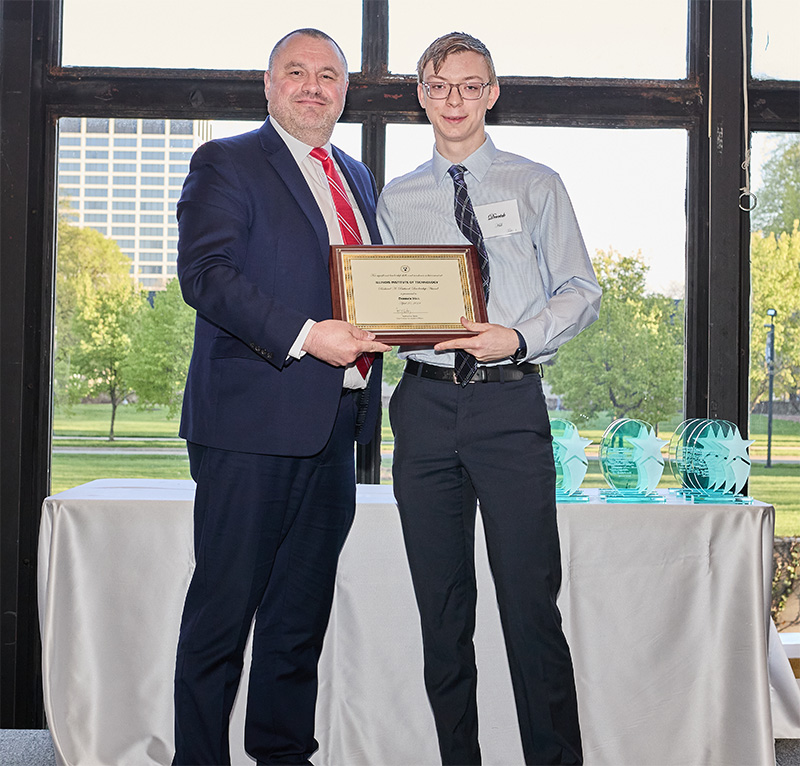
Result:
pixel 522 348
pixel 296 351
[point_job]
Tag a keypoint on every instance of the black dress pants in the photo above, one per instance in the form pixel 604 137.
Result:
pixel 268 532
pixel 490 442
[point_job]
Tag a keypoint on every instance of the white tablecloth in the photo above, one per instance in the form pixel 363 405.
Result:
pixel 666 608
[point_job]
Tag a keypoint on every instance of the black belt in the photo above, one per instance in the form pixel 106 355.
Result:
pixel 503 373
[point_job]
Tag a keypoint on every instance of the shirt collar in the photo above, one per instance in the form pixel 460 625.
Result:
pixel 298 149
pixel 478 163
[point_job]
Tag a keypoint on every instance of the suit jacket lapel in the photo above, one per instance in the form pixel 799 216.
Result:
pixel 281 159
pixel 363 196
pixel 283 162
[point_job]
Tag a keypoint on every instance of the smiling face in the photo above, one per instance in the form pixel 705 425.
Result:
pixel 306 87
pixel 458 124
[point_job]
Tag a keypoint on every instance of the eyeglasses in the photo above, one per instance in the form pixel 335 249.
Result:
pixel 469 91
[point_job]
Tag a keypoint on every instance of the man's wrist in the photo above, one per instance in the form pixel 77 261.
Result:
pixel 522 347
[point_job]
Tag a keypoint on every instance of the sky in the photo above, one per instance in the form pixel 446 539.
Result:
pixel 627 186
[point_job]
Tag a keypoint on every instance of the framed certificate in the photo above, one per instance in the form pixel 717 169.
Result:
pixel 407 294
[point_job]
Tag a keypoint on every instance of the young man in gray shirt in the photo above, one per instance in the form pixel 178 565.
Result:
pixel 469 416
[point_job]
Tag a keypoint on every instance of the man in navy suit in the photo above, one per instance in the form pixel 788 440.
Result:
pixel 273 403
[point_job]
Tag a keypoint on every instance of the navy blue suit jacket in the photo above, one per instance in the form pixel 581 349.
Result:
pixel 253 256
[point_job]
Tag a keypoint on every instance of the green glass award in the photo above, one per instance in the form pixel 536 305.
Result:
pixel 569 453
pixel 709 458
pixel 631 462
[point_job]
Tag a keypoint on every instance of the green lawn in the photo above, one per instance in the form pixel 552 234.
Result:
pixel 785 438
pixel 133 428
pixel 778 485
pixel 72 470
pixel 138 442
pixel 785 434
pixel 95 420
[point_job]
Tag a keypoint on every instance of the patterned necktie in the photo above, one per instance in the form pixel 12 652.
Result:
pixel 465 363
pixel 347 225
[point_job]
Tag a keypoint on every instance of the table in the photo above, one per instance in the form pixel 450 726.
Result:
pixel 666 608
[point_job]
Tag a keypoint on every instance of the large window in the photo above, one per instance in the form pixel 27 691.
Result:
pixel 639 105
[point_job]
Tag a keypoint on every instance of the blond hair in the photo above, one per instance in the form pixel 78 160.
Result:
pixel 454 42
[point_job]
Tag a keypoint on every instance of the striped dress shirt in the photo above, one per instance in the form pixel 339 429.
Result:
pixel 542 281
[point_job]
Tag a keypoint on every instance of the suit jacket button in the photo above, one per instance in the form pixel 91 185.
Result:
pixel 268 354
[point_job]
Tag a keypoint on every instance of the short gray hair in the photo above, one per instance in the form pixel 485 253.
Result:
pixel 308 32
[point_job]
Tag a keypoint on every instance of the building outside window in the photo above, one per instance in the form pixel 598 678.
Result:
pixel 135 175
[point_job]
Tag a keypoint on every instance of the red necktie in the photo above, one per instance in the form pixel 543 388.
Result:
pixel 347 225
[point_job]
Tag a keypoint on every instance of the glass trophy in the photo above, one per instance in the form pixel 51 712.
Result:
pixel 631 462
pixel 681 457
pixel 709 458
pixel 569 453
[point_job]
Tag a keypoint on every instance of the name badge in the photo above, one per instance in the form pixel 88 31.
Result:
pixel 498 218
